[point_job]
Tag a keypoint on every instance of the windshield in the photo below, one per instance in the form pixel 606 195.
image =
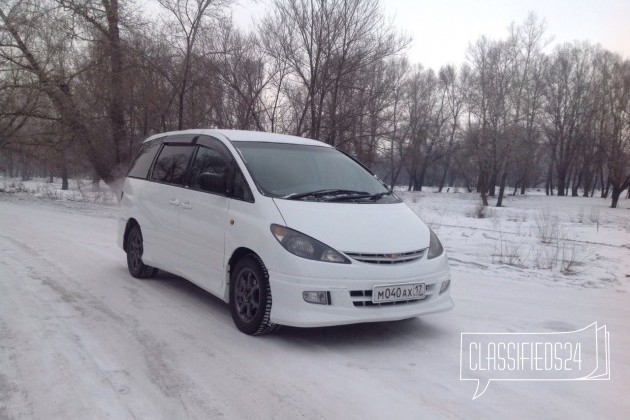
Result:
pixel 303 172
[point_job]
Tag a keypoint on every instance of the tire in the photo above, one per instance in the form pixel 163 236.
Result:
pixel 134 255
pixel 250 296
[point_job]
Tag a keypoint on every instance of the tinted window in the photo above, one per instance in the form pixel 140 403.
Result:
pixel 171 164
pixel 241 189
pixel 281 169
pixel 140 167
pixel 207 161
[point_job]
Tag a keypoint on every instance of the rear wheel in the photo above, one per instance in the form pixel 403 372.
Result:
pixel 250 296
pixel 134 255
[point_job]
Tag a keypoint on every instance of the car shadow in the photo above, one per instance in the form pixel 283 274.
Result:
pixel 372 333
pixel 188 291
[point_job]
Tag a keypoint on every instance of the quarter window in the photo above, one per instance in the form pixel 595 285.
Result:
pixel 142 164
pixel 241 189
pixel 171 164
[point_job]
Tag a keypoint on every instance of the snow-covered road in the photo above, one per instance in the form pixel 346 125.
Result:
pixel 81 339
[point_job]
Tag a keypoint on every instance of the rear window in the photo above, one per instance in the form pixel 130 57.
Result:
pixel 142 164
pixel 171 164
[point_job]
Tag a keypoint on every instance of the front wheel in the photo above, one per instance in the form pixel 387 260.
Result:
pixel 250 297
pixel 134 255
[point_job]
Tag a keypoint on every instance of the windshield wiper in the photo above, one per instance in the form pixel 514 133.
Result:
pixel 348 197
pixel 380 195
pixel 323 193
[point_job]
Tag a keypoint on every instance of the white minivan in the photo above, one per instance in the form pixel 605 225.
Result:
pixel 286 230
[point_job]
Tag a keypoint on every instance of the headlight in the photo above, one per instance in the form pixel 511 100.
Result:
pixel 306 247
pixel 435 247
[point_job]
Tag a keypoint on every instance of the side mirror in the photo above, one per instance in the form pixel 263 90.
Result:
pixel 213 183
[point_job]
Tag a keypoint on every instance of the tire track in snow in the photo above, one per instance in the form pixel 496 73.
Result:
pixel 88 311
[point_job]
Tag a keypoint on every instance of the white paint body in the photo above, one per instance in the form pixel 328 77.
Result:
pixel 194 234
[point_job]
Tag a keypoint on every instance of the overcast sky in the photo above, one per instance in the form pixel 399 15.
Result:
pixel 442 29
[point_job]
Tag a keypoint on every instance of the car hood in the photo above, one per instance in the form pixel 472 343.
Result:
pixel 351 227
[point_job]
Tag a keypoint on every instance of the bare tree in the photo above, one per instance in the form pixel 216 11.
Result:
pixel 566 96
pixel 16 106
pixel 325 45
pixel 454 85
pixel 613 84
pixel 190 20
pixel 34 41
pixel 486 101
pixel 523 50
pixel 244 72
pixel 428 116
pixel 103 16
pixel 399 71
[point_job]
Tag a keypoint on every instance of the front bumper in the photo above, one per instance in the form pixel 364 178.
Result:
pixel 289 308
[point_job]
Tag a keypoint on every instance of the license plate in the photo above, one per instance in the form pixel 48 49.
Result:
pixel 398 292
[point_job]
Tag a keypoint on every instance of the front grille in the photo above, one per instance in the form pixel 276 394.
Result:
pixel 394 258
pixel 363 298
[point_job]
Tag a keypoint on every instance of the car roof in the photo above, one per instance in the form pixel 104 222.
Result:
pixel 243 135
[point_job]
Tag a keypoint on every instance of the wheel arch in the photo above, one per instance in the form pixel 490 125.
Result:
pixel 130 223
pixel 234 258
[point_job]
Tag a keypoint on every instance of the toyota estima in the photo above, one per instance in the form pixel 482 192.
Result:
pixel 286 230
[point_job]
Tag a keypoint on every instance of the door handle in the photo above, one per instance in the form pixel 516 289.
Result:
pixel 174 202
pixel 186 205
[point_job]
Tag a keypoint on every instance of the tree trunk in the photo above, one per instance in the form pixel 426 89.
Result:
pixel 117 91
pixel 412 175
pixel 502 189
pixel 482 188
pixel 492 185
pixel 11 166
pixel 616 192
pixel 64 175
pixel 561 186
pixel 588 182
pixel 577 180
pixel 25 170
pixel 419 181
pixel 587 188
pixel 606 189
pixel 445 173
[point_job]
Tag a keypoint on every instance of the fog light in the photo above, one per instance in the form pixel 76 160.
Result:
pixel 444 286
pixel 320 298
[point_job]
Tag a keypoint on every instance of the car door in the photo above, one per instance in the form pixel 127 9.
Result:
pixel 204 214
pixel 159 216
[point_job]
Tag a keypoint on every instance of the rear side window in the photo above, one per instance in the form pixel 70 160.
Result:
pixel 142 164
pixel 171 164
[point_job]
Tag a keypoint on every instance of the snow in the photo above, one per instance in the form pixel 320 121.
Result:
pixel 80 338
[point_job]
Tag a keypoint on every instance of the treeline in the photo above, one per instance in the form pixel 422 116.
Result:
pixel 83 82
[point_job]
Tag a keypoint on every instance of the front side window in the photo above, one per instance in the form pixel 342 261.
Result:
pixel 208 162
pixel 171 164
